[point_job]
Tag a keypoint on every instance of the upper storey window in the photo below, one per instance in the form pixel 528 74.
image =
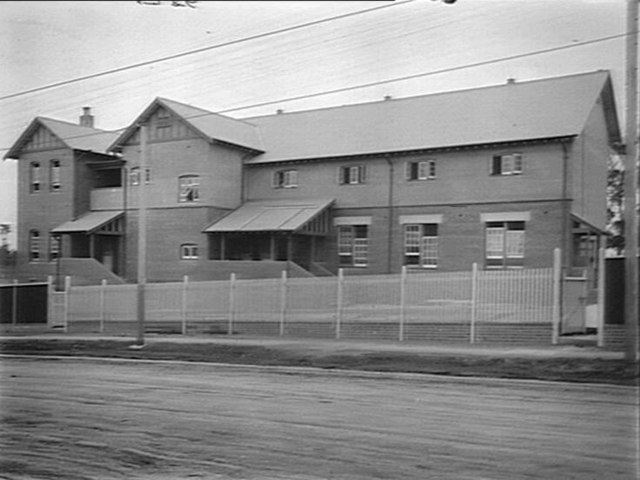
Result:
pixel 285 179
pixel 134 176
pixel 424 170
pixel 507 164
pixel 188 188
pixel 34 177
pixel 54 175
pixel 351 175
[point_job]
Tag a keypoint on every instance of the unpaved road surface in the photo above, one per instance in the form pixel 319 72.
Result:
pixel 117 419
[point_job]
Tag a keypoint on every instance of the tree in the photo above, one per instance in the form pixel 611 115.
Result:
pixel 615 195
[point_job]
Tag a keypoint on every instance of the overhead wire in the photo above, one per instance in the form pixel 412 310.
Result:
pixel 202 49
pixel 383 82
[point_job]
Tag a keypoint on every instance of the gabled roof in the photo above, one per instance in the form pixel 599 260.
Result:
pixel 73 136
pixel 516 111
pixel 270 216
pixel 211 126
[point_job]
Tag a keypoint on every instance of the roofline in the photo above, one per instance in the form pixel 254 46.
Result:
pixel 442 93
pixel 416 151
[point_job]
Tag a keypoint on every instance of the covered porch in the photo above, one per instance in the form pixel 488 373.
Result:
pixel 292 230
pixel 97 235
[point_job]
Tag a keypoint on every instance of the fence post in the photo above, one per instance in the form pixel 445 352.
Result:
pixel 67 291
pixel 232 300
pixel 403 296
pixel 601 286
pixel 339 302
pixel 474 301
pixel 103 291
pixel 183 311
pixel 557 279
pixel 49 300
pixel 14 303
pixel 283 301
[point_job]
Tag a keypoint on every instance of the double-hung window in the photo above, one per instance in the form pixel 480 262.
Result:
pixel 188 188
pixel 54 247
pixel 189 251
pixel 422 170
pixel 351 175
pixel 134 176
pixel 353 245
pixel 34 246
pixel 285 179
pixel 507 164
pixel 34 177
pixel 421 245
pixel 54 175
pixel 505 244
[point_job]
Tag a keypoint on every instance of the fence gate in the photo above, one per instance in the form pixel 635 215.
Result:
pixel 58 310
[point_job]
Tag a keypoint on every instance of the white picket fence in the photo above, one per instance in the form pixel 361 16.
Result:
pixel 406 306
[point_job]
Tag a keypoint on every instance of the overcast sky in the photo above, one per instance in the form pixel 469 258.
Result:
pixel 43 43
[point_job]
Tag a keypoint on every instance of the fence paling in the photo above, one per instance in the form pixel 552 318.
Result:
pixel 397 307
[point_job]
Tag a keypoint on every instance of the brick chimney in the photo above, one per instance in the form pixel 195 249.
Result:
pixel 86 119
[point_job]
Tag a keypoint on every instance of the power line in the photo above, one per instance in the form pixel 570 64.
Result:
pixel 202 49
pixel 382 82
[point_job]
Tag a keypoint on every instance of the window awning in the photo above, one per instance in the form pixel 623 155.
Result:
pixel 270 216
pixel 89 222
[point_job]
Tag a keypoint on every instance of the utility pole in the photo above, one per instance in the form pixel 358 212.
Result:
pixel 631 185
pixel 142 235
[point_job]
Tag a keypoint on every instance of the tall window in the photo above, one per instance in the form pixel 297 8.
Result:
pixel 54 247
pixel 54 175
pixel 351 175
pixel 421 245
pixel 423 170
pixel 34 177
pixel 504 244
pixel 285 179
pixel 507 164
pixel 188 188
pixel 353 245
pixel 189 251
pixel 34 246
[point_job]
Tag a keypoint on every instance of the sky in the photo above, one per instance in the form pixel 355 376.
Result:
pixel 230 57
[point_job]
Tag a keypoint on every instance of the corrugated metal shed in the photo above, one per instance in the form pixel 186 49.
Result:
pixel 514 111
pixel 269 216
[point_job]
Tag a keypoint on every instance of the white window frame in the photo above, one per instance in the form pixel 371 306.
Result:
pixel 188 188
pixel 54 247
pixel 421 170
pixel 511 164
pixel 54 175
pixel 189 251
pixel 420 245
pixel 351 174
pixel 285 179
pixel 505 242
pixel 35 182
pixel 353 250
pixel 34 246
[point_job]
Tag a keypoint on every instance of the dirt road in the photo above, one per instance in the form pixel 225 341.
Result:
pixel 92 419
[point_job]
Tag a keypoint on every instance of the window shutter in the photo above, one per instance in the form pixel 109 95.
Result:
pixel 361 172
pixel 340 175
pixel 496 165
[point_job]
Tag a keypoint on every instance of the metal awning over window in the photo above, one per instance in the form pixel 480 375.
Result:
pixel 93 222
pixel 303 216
